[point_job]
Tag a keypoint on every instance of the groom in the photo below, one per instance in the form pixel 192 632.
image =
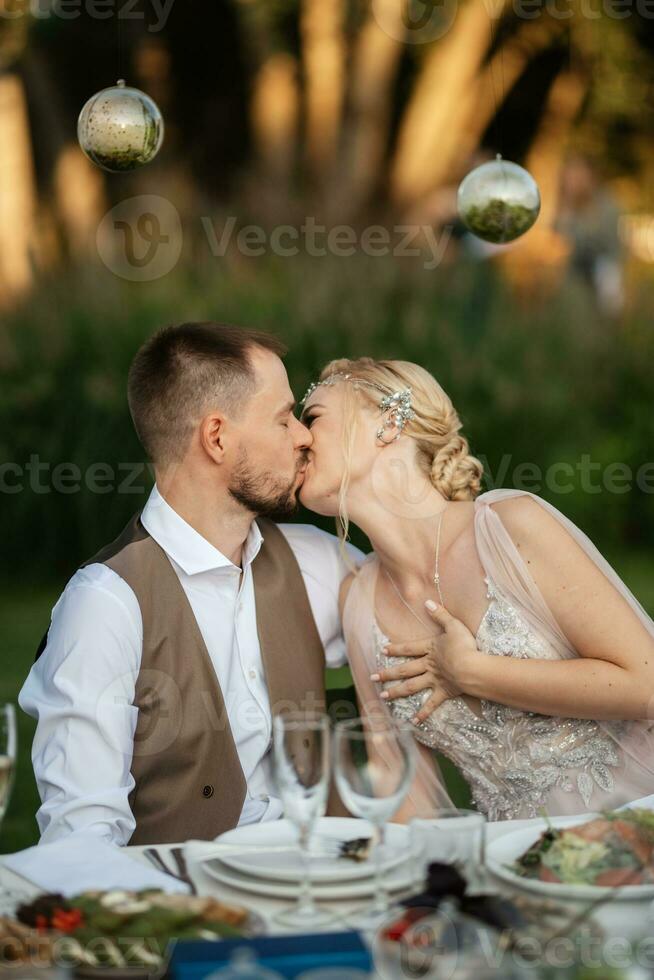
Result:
pixel 171 650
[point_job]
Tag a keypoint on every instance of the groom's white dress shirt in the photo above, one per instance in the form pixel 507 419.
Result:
pixel 81 689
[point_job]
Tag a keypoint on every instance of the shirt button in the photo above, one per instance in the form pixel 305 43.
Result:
pixel 207 790
pixel 252 673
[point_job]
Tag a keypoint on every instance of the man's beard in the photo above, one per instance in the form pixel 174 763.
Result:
pixel 262 493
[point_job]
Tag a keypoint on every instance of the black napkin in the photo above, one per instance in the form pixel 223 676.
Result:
pixel 445 882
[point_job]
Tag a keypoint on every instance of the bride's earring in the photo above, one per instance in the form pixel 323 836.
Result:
pixel 398 406
pixel 381 432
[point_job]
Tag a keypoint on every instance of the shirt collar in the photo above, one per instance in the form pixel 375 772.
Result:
pixel 186 546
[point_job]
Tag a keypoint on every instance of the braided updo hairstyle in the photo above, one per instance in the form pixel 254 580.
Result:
pixel 443 452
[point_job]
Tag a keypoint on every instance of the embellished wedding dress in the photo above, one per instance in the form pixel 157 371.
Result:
pixel 517 763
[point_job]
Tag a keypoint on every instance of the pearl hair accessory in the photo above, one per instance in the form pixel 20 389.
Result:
pixel 398 403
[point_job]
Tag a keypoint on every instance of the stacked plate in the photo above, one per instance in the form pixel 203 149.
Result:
pixel 243 861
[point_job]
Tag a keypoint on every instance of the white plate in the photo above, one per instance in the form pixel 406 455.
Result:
pixel 396 880
pixel 288 866
pixel 502 853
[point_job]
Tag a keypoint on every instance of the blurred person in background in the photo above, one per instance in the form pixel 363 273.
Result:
pixel 588 218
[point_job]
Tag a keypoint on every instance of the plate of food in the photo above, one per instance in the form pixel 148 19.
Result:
pixel 582 857
pixel 117 933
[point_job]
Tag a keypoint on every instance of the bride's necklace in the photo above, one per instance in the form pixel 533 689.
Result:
pixel 436 579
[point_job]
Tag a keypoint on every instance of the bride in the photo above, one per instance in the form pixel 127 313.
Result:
pixel 489 621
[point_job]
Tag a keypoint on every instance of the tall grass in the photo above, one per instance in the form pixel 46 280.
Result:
pixel 542 386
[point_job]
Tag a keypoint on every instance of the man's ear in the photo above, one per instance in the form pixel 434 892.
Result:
pixel 212 436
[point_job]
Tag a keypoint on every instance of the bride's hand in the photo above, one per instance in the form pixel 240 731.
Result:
pixel 440 663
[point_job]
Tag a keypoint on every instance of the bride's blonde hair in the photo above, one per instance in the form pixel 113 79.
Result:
pixel 442 452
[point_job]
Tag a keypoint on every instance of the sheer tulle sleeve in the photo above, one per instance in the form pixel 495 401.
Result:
pixel 427 792
pixel 504 565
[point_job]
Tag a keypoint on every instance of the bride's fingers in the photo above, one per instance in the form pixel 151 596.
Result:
pixel 415 648
pixel 411 686
pixel 411 669
pixel 430 705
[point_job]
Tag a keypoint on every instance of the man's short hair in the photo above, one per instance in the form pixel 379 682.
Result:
pixel 185 371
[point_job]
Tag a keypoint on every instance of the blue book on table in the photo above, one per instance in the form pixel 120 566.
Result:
pixel 288 955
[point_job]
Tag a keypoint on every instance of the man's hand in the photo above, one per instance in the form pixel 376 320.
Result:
pixel 440 663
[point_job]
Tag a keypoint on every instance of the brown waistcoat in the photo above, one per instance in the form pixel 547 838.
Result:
pixel 188 778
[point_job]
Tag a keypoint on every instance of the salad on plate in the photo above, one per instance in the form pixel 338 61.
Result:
pixel 612 850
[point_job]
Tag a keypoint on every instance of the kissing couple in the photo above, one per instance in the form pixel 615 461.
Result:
pixel 487 621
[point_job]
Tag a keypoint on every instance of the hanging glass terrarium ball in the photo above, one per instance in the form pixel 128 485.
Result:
pixel 498 201
pixel 120 128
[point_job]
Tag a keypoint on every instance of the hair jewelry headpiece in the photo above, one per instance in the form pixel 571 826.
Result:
pixel 398 402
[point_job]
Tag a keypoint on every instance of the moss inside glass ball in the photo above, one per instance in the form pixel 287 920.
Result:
pixel 499 221
pixel 120 160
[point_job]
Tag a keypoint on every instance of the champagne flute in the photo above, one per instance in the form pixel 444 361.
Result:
pixel 301 754
pixel 375 760
pixel 8 898
pixel 7 755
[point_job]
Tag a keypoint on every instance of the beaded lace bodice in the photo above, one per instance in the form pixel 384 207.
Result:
pixel 513 760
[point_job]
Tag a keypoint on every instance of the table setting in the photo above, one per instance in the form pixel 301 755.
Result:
pixel 316 897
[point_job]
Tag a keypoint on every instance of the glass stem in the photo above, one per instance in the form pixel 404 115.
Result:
pixel 381 895
pixel 305 902
pixel 480 876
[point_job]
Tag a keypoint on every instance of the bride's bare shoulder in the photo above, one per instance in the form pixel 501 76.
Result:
pixel 525 516
pixel 543 540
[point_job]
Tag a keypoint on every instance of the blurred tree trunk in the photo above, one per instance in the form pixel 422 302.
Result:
pixel 275 114
pixel 76 198
pixel 274 109
pixel 323 58
pixel 375 62
pixel 477 109
pixel 549 147
pixel 18 203
pixel 434 124
pixel 498 77
pixel 80 200
pixel 536 265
